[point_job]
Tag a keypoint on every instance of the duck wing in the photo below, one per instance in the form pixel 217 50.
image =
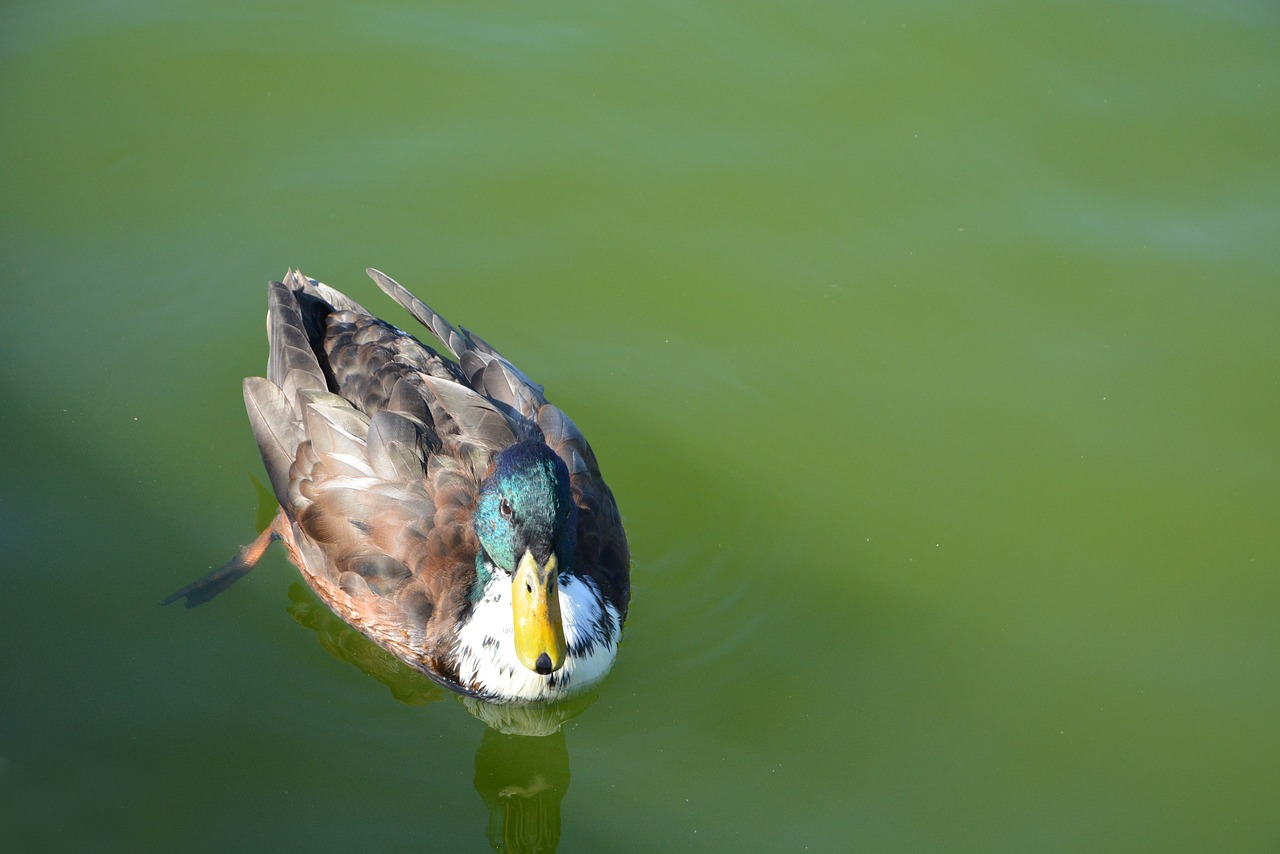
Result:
pixel 375 448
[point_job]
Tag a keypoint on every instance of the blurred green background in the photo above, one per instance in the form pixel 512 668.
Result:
pixel 931 351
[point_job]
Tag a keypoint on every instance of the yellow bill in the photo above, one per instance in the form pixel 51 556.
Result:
pixel 535 602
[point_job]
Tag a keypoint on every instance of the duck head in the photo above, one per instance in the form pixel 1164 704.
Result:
pixel 527 525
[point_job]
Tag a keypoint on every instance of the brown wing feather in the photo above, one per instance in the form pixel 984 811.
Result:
pixel 397 561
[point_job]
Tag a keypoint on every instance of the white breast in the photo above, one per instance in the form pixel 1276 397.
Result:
pixel 487 653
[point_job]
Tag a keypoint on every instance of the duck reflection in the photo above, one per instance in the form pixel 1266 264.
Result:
pixel 522 781
pixel 522 763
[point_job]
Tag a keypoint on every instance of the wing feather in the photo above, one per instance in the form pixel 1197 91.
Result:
pixel 290 347
pixel 276 429
pixel 475 419
pixel 395 447
pixel 449 336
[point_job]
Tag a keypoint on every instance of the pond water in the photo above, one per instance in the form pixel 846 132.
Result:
pixel 930 350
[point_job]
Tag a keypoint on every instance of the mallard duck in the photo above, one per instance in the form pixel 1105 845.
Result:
pixel 444 509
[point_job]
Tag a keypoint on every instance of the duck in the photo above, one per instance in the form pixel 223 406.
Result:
pixel 439 504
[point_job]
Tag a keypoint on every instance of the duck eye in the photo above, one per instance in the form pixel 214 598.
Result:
pixel 504 507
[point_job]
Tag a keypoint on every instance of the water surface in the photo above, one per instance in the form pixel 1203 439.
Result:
pixel 930 352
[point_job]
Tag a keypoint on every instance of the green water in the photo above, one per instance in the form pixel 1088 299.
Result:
pixel 930 350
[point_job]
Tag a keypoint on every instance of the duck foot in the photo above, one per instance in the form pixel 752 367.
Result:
pixel 208 586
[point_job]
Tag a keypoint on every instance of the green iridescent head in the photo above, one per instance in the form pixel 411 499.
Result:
pixel 525 504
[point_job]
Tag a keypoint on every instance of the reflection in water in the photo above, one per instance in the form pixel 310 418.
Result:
pixel 522 764
pixel 521 781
